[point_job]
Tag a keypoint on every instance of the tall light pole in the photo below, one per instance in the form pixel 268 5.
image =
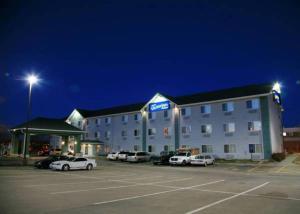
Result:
pixel 31 79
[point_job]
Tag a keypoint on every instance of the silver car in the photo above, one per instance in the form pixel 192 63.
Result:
pixel 138 156
pixel 203 160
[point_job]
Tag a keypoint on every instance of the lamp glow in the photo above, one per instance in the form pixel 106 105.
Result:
pixel 32 79
pixel 277 87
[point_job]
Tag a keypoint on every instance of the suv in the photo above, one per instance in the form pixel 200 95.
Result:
pixel 203 160
pixel 138 156
pixel 181 158
pixel 122 156
pixel 163 159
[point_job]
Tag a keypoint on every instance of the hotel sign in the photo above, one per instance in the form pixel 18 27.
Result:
pixel 160 106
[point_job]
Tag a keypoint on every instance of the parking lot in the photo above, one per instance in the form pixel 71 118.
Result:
pixel 115 187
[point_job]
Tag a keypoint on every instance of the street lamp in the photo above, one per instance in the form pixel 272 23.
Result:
pixel 31 80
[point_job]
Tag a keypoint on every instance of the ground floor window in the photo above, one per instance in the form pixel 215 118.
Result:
pixel 150 148
pixel 86 149
pixel 229 148
pixel 255 148
pixel 207 148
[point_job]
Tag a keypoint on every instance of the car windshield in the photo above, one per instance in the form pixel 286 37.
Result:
pixel 131 154
pixel 200 157
pixel 181 154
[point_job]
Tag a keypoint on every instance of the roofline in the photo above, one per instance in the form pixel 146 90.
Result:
pixel 108 115
pixel 46 130
pixel 224 100
pixel 70 116
pixel 146 105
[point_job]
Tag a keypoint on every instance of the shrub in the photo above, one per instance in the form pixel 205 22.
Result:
pixel 278 156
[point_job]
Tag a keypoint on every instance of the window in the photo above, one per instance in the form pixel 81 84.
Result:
pixel 254 126
pixel 107 134
pixel 167 131
pixel 206 129
pixel 137 117
pixel 151 132
pixel 166 114
pixel 136 147
pixel 107 120
pixel 86 149
pixel 125 118
pixel 252 104
pixel 86 135
pixel 166 148
pixel 150 148
pixel 186 130
pixel 151 115
pixel 97 121
pixel 185 112
pixel 79 123
pixel 205 109
pixel 228 107
pixel 206 148
pixel 229 127
pixel 229 148
pixel 87 122
pixel 136 132
pixel 97 134
pixel 255 148
pixel 124 133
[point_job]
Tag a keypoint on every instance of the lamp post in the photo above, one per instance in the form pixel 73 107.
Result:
pixel 31 79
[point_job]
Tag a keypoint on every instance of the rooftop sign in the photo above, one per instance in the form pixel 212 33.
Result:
pixel 160 106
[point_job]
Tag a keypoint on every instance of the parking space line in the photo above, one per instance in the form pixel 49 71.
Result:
pixel 281 168
pixel 254 168
pixel 114 187
pixel 226 199
pixel 156 193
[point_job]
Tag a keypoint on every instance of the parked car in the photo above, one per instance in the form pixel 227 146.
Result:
pixel 55 152
pixel 112 156
pixel 73 163
pixel 163 159
pixel 203 160
pixel 138 156
pixel 44 164
pixel 181 158
pixel 122 156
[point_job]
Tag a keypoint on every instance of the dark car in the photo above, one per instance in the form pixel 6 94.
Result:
pixel 163 159
pixel 44 164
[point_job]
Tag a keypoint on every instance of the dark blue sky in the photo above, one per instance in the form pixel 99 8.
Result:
pixel 94 54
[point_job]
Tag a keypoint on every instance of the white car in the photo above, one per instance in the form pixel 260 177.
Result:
pixel 122 156
pixel 203 160
pixel 138 157
pixel 112 156
pixel 181 158
pixel 73 163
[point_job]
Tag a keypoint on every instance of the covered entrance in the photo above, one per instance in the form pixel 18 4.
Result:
pixel 70 135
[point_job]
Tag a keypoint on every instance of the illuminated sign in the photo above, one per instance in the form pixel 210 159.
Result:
pixel 160 106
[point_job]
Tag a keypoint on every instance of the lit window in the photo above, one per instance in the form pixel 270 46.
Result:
pixel 205 109
pixel 254 126
pixel 228 107
pixel 167 131
pixel 151 132
pixel 206 129
pixel 229 127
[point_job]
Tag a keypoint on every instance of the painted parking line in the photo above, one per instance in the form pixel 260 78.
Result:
pixel 254 168
pixel 116 187
pixel 226 199
pixel 88 182
pixel 156 193
pixel 281 168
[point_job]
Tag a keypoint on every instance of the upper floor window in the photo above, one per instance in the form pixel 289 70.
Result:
pixel 137 117
pixel 79 123
pixel 107 120
pixel 97 121
pixel 97 134
pixel 206 129
pixel 87 122
pixel 254 126
pixel 166 114
pixel 136 132
pixel 151 131
pixel 229 127
pixel 167 131
pixel 124 133
pixel 125 118
pixel 185 112
pixel 205 109
pixel 228 107
pixel 107 134
pixel 252 104
pixel 151 115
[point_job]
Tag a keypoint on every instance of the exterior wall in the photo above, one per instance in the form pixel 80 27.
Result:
pixel 276 129
pixel 241 137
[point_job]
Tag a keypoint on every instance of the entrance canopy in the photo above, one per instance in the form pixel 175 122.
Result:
pixel 48 126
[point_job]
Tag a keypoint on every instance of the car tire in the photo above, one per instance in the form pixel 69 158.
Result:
pixel 66 167
pixel 89 167
pixel 183 163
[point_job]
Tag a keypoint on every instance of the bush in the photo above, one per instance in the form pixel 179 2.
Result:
pixel 278 156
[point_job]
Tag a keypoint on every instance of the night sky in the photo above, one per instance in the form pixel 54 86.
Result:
pixel 96 54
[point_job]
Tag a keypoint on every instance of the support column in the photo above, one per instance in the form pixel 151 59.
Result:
pixel 65 139
pixel 77 147
pixel 26 150
pixel 14 144
pixel 144 131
